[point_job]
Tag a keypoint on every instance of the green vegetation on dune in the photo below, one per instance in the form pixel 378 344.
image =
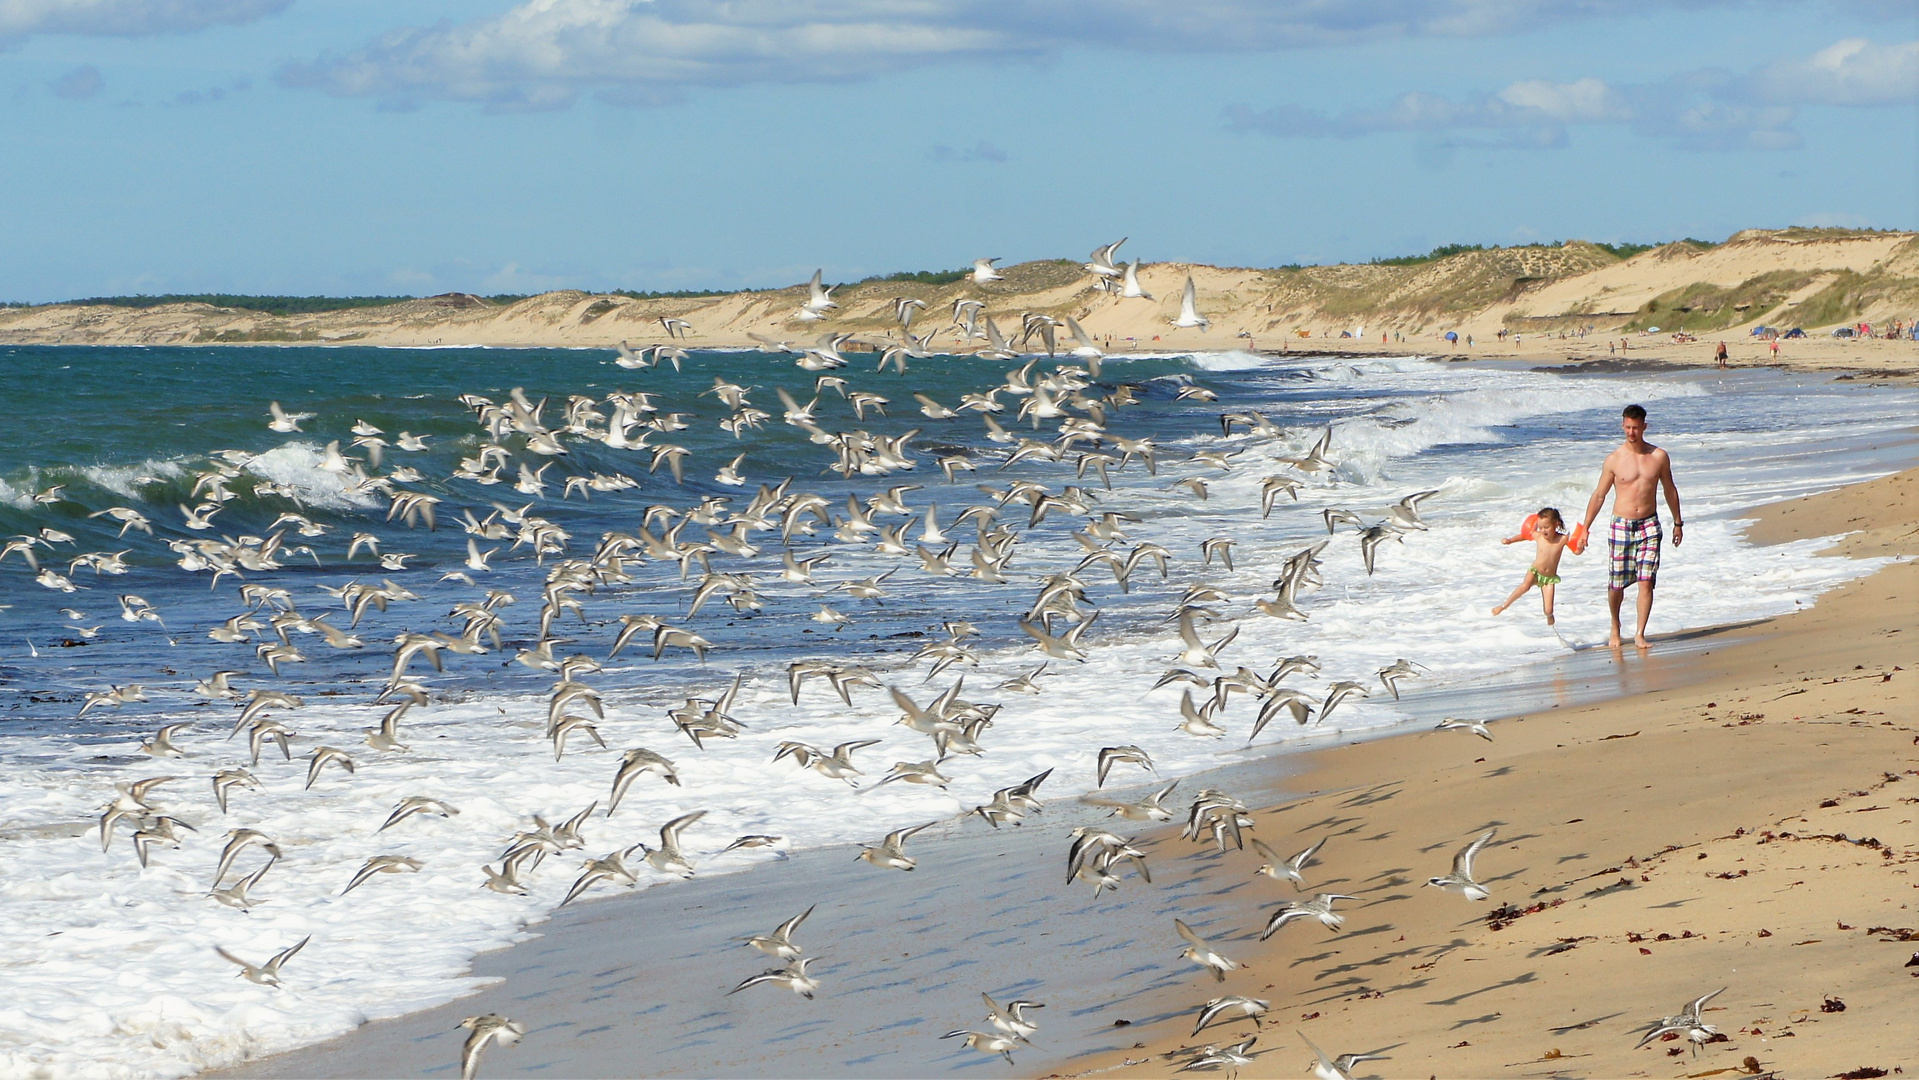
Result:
pixel 271 305
pixel 1466 280
pixel 1841 300
pixel 1847 296
pixel 920 277
pixel 1703 308
pixel 1434 255
pixel 1624 251
pixel 1620 251
pixel 674 294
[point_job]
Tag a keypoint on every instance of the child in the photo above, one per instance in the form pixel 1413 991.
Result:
pixel 1550 540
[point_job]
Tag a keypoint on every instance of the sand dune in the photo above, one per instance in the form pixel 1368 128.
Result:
pixel 1791 277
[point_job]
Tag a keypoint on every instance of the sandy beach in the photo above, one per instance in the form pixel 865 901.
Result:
pixel 1751 827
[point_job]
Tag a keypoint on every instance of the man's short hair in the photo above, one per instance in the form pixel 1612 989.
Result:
pixel 1635 412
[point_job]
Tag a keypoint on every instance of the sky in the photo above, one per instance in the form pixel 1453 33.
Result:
pixel 379 147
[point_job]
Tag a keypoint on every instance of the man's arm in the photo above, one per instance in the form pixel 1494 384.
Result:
pixel 1672 499
pixel 1598 501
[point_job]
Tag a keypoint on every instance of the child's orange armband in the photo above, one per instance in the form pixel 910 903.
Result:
pixel 1577 541
pixel 1526 528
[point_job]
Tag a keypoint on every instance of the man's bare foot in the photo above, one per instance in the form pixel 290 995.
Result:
pixel 1612 640
pixel 1639 641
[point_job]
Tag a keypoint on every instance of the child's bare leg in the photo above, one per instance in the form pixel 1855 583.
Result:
pixel 1524 584
pixel 1546 597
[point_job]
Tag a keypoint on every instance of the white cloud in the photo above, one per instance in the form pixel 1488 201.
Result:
pixel 1586 101
pixel 546 53
pixel 1709 109
pixel 20 19
pixel 1851 72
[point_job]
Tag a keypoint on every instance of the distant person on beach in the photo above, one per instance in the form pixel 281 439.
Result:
pixel 1635 473
pixel 1721 354
pixel 1549 544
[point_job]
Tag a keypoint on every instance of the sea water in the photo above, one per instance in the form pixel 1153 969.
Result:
pixel 110 968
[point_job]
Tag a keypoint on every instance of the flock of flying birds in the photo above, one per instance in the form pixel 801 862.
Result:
pixel 1085 417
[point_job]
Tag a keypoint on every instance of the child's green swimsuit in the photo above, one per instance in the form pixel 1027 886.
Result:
pixel 1545 579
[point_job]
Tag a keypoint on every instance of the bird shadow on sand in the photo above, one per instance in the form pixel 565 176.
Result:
pixel 1372 797
pixel 1383 958
pixel 1584 1024
pixel 1332 822
pixel 1517 980
pixel 1381 928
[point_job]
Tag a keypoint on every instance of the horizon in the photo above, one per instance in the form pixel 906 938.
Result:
pixel 289 148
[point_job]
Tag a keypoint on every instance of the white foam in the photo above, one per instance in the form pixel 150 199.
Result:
pixel 297 465
pixel 124 480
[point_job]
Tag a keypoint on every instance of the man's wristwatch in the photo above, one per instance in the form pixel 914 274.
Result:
pixel 1678 524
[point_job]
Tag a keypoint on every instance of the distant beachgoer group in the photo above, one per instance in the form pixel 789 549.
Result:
pixel 1635 473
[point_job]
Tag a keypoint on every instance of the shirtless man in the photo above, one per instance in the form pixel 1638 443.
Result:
pixel 1634 473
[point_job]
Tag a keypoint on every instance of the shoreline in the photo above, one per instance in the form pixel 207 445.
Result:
pixel 1157 1012
pixel 1877 360
pixel 1614 910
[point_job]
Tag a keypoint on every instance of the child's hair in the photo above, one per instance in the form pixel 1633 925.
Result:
pixel 1547 513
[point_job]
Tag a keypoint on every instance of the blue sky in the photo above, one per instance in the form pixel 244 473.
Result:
pixel 408 146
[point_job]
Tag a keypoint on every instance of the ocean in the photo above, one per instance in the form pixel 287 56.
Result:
pixel 111 968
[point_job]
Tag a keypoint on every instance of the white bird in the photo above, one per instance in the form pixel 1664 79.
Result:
pixel 486 1030
pixel 1231 1007
pixel 267 974
pixel 983 271
pixel 1130 287
pixel 283 422
pixel 1101 264
pixel 1201 952
pixel 1012 1018
pixel 1404 514
pixel 793 976
pixel 1687 1023
pixel 1288 869
pixel 891 852
pixel 1461 879
pixel 1319 907
pixel 1189 315
pixel 819 299
pixel 986 1042
pixel 779 944
pixel 1477 727
pixel 1339 1068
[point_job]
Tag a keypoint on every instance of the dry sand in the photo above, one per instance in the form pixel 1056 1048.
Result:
pixel 1752 829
